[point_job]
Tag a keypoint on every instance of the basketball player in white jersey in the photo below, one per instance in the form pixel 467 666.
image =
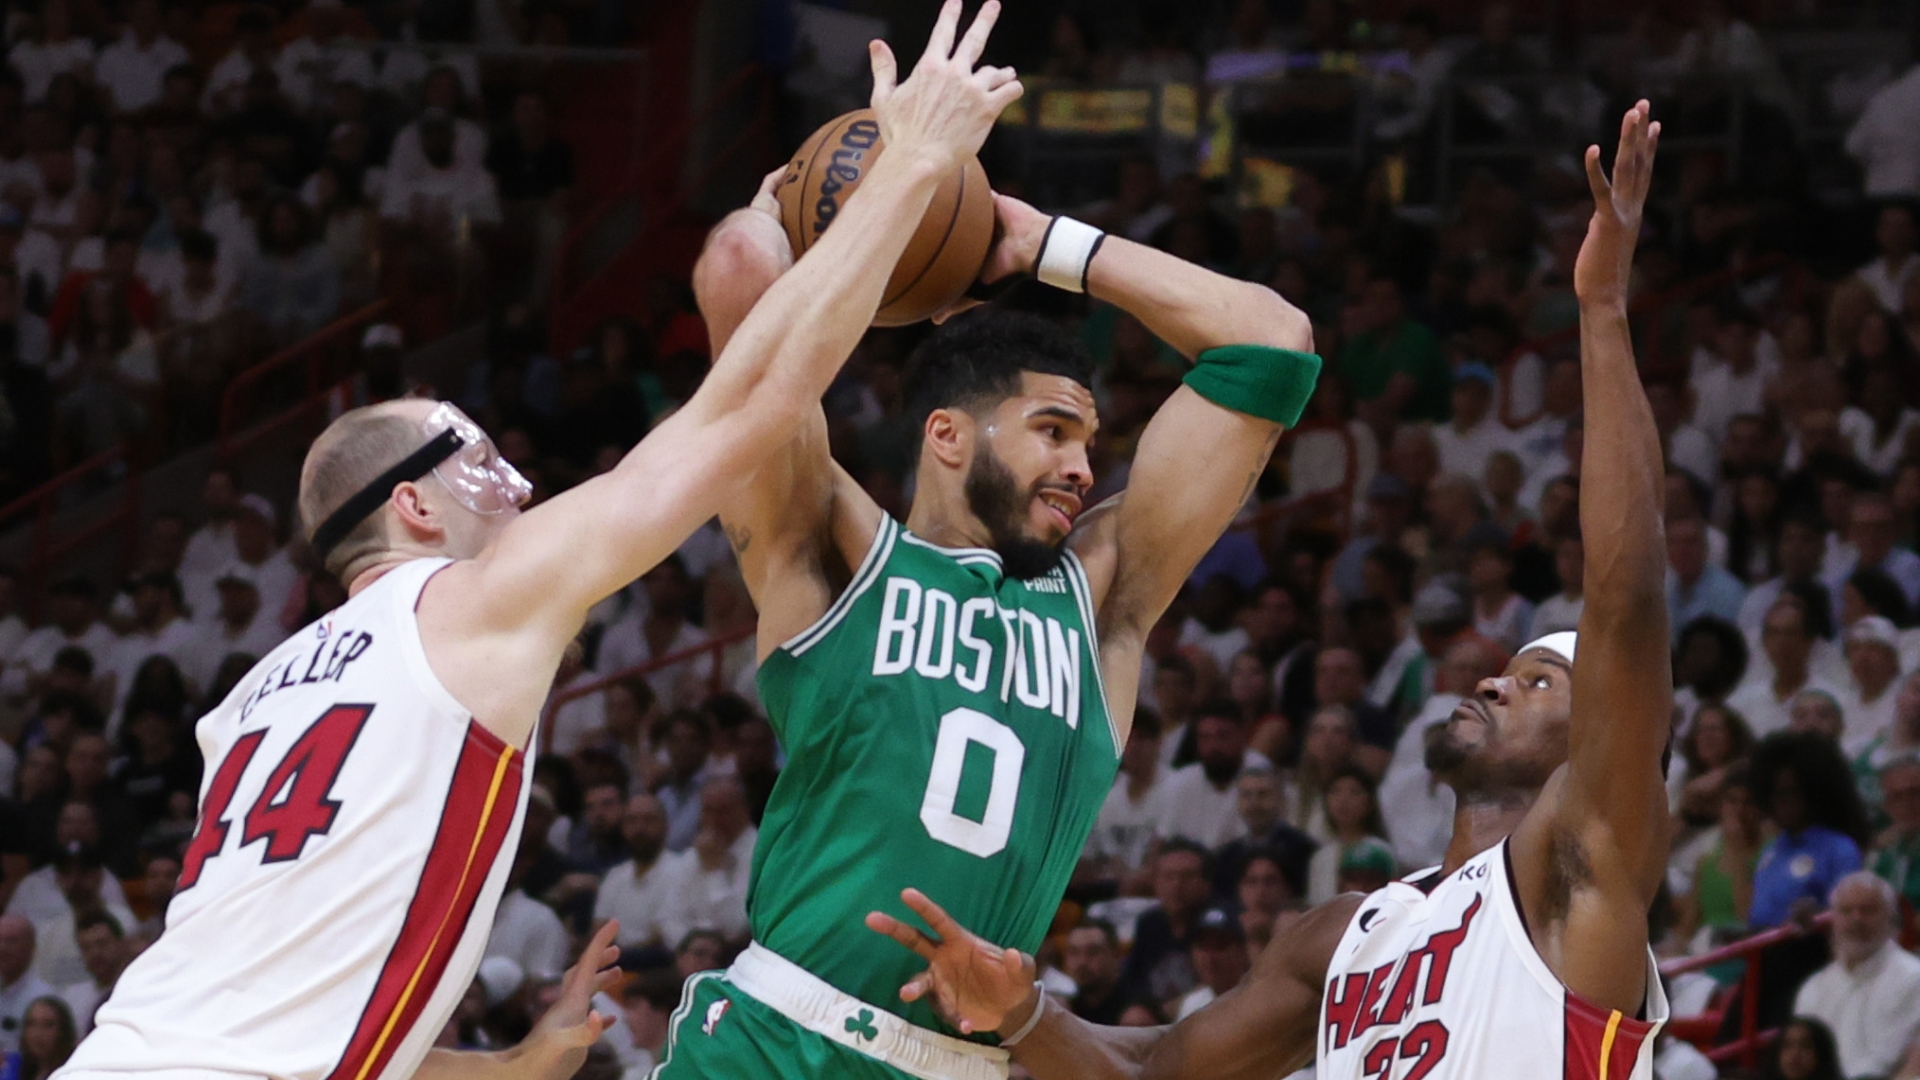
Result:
pixel 366 782
pixel 1524 954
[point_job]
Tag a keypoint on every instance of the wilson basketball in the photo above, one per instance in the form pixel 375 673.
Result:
pixel 946 252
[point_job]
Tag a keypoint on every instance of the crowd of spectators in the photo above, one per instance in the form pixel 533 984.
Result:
pixel 1420 526
pixel 187 187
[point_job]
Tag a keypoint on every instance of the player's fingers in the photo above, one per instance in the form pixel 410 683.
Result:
pixel 936 916
pixel 881 922
pixel 1597 178
pixel 1647 154
pixel 993 78
pixel 770 183
pixel 940 42
pixel 1005 95
pixel 885 70
pixel 975 42
pixel 1013 962
pixel 916 987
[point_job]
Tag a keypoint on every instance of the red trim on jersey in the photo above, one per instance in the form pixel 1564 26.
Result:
pixel 480 807
pixel 1588 1043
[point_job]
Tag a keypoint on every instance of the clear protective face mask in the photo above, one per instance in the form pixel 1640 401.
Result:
pixel 477 475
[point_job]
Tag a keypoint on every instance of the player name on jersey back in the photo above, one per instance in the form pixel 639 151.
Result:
pixel 1446 985
pixel 332 648
pixel 339 890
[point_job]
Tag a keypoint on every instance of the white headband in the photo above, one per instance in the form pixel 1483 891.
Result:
pixel 1561 643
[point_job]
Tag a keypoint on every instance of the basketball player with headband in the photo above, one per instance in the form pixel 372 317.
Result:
pixel 368 779
pixel 1524 953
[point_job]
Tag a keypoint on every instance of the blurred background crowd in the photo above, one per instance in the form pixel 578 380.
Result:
pixel 187 190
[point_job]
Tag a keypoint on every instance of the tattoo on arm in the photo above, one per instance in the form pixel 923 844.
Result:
pixel 1266 455
pixel 740 537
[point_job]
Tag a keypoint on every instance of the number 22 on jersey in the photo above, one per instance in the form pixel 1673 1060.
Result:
pixel 293 805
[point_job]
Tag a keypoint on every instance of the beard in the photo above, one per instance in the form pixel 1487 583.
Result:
pixel 1445 753
pixel 645 850
pixel 995 498
pixel 1220 772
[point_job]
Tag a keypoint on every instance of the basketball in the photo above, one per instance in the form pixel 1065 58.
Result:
pixel 946 252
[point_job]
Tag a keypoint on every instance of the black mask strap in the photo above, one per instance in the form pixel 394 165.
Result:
pixel 375 494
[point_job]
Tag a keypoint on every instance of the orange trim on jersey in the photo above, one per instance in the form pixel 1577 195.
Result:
pixel 469 839
pixel 413 982
pixel 1606 1041
pixel 1601 1044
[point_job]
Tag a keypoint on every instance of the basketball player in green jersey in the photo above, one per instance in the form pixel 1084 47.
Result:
pixel 953 691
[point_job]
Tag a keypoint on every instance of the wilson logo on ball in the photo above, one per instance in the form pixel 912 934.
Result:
pixel 843 170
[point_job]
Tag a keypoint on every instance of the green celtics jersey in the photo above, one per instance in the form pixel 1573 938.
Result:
pixel 946 729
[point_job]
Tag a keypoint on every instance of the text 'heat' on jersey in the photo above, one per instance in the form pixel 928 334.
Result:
pixel 1446 985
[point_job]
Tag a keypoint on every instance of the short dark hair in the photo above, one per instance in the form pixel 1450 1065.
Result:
pixel 199 245
pixel 1883 595
pixel 729 710
pixel 659 987
pixel 1219 709
pixel 86 715
pixel 1180 664
pixel 74 658
pixel 689 718
pixel 1179 844
pixel 98 917
pixel 976 361
pixel 1106 930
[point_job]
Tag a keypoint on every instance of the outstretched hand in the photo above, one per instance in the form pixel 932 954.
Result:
pixel 559 1042
pixel 945 107
pixel 974 983
pixel 1605 265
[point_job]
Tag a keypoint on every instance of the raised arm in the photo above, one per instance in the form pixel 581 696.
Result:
pixel 1266 1027
pixel 767 380
pixel 1197 460
pixel 1591 853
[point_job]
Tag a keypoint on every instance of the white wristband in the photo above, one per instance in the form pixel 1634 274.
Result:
pixel 1065 252
pixel 1039 988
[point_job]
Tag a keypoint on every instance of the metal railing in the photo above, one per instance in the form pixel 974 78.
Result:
pixel 1702 1029
pixel 716 647
pixel 115 463
pixel 327 356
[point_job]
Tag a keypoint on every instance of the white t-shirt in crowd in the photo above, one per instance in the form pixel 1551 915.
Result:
pixel 1874 1009
pixel 133 75
pixel 1124 829
pixel 646 904
pixel 37 63
pixel 528 933
pixel 1885 141
pixel 440 196
pixel 1465 453
pixel 1192 807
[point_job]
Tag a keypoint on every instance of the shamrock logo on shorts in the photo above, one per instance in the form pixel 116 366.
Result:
pixel 862 1025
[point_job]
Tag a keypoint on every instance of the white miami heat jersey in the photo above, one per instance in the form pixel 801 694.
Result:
pixel 356 828
pixel 1446 985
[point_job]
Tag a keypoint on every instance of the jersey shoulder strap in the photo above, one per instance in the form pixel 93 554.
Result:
pixel 863 579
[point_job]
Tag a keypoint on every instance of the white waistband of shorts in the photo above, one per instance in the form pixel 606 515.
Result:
pixel 814 1004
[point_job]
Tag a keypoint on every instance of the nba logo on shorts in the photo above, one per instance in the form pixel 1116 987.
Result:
pixel 714 1012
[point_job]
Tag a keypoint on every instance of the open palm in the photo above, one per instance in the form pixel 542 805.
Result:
pixel 974 983
pixel 1601 273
